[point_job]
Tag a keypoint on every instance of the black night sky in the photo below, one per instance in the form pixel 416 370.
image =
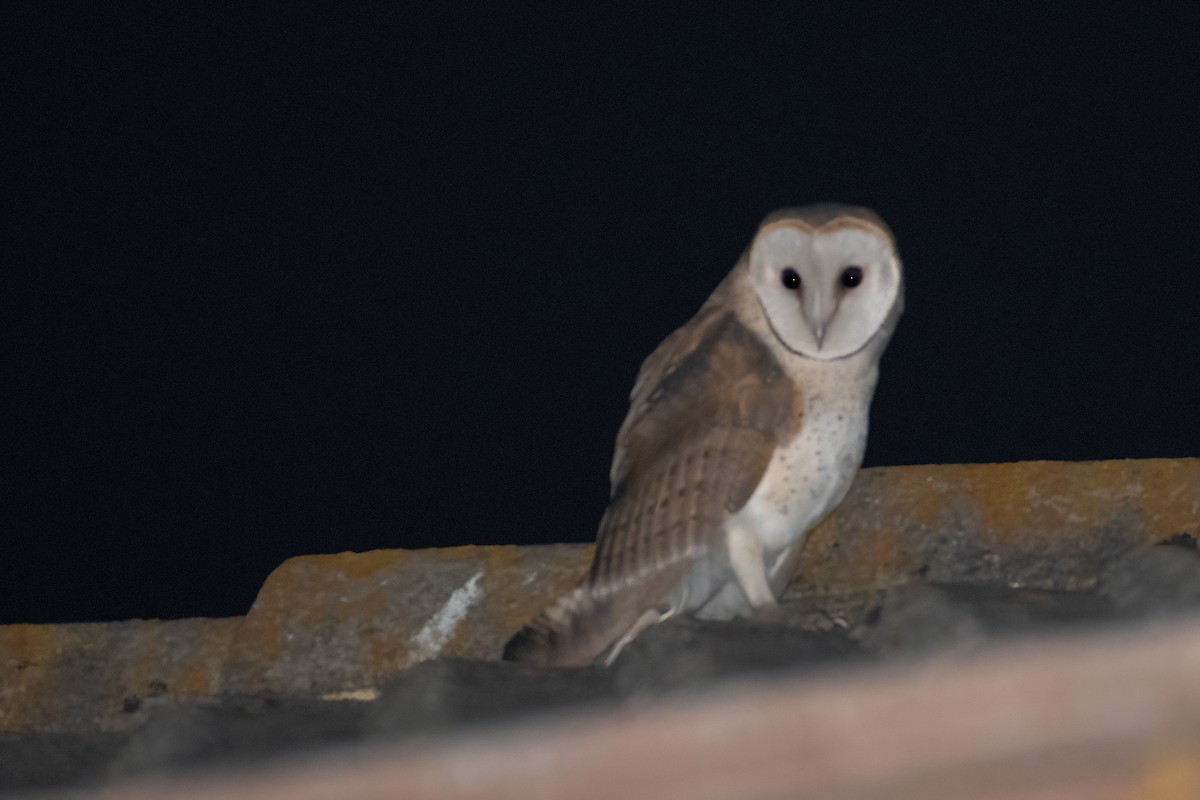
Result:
pixel 342 280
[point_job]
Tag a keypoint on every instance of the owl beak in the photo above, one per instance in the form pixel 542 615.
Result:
pixel 818 311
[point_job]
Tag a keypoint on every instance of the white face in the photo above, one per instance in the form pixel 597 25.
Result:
pixel 825 294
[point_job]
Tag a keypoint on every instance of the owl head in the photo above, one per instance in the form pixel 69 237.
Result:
pixel 828 278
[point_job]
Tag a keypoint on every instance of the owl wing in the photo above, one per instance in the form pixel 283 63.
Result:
pixel 707 411
pixel 664 361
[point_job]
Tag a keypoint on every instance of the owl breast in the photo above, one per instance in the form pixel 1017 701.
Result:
pixel 809 475
pixel 806 479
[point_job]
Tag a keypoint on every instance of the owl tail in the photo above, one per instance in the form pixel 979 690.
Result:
pixel 577 630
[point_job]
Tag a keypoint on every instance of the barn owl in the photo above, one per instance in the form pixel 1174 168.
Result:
pixel 745 428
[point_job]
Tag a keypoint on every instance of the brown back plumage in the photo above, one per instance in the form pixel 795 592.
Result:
pixel 706 413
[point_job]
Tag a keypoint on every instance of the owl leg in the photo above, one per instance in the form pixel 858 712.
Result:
pixel 783 568
pixel 750 569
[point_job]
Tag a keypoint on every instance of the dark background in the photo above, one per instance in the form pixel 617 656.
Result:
pixel 339 280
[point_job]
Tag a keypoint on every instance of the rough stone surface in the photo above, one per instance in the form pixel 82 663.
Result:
pixel 326 623
pixel 679 659
pixel 1164 579
pixel 352 620
pixel 917 559
pixel 106 676
pixel 918 618
pixel 683 655
pixel 39 759
pixel 1041 524
pixel 436 696
pixel 234 731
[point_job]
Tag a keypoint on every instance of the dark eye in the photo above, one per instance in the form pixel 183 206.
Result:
pixel 851 277
pixel 791 278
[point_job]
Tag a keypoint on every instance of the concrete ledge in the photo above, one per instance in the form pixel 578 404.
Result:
pixel 336 623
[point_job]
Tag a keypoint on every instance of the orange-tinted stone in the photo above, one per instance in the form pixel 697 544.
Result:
pixel 106 676
pixel 347 621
